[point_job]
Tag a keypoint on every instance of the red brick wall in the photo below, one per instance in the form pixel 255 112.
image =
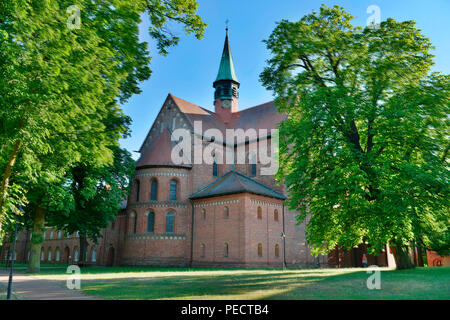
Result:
pixel 215 230
pixel 111 238
pixel 158 247
pixel 435 260
pixel 265 231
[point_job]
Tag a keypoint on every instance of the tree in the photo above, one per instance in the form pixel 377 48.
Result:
pixel 365 147
pixel 97 194
pixel 59 84
pixel 56 80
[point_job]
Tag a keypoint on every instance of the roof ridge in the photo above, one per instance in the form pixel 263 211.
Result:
pixel 239 181
pixel 257 182
pixel 269 192
pixel 173 96
pixel 196 105
pixel 259 105
pixel 212 183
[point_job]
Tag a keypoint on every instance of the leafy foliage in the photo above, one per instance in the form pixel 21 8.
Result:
pixel 60 87
pixel 364 151
pixel 96 194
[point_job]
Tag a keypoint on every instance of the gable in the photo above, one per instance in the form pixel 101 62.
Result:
pixel 178 113
pixel 169 117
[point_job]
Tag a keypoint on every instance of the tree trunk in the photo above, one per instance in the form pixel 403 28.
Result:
pixel 6 176
pixel 34 265
pixel 419 256
pixel 401 256
pixel 83 251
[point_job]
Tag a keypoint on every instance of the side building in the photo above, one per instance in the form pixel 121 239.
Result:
pixel 61 248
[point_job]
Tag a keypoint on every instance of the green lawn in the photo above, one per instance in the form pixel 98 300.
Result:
pixel 4 291
pixel 203 283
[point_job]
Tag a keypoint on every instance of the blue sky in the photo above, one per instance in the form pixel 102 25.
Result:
pixel 190 68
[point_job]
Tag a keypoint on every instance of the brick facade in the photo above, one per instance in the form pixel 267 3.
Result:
pixel 63 248
pixel 238 229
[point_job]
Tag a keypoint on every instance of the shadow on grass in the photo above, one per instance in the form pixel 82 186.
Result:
pixel 421 283
pixel 213 283
pixel 240 286
pixel 418 283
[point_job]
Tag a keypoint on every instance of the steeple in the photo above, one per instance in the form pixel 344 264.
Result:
pixel 226 68
pixel 226 95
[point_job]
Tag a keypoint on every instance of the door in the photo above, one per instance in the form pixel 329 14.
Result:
pixel 110 261
pixel 66 255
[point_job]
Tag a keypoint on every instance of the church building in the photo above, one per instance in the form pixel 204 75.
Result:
pixel 218 214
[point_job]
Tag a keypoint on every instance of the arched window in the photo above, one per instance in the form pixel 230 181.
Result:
pixel 203 214
pixel 86 255
pixel 94 255
pixel 42 254
pixel 226 213
pixel 151 222
pixel 51 235
pixel 215 168
pixel 259 250
pixel 57 255
pixel 202 250
pixel 259 215
pixel 75 255
pixel 154 190
pixel 138 189
pixel 133 221
pixel 275 215
pixel 49 254
pixel 252 162
pixel 225 250
pixel 59 234
pixel 170 221
pixel 173 190
pixel 277 250
pixel 174 123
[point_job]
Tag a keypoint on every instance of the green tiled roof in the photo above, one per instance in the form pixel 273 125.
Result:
pixel 233 182
pixel 226 68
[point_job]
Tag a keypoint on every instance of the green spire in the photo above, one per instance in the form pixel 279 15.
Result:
pixel 226 69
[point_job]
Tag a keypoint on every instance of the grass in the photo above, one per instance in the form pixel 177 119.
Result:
pixel 206 283
pixel 4 292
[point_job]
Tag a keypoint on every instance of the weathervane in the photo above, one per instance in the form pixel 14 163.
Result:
pixel 226 23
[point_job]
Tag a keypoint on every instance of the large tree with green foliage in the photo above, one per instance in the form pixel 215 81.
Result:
pixel 96 194
pixel 59 84
pixel 364 151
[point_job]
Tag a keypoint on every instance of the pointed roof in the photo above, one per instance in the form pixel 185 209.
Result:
pixel 196 113
pixel 159 153
pixel 234 182
pixel 264 116
pixel 226 68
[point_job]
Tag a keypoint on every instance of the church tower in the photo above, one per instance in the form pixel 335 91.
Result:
pixel 226 94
